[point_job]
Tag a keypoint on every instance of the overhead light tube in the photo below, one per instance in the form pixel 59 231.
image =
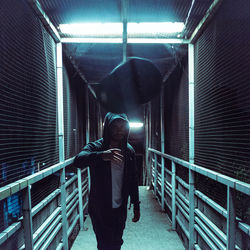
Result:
pixel 115 29
pixel 136 124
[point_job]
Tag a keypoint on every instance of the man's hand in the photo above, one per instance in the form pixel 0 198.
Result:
pixel 113 154
pixel 137 215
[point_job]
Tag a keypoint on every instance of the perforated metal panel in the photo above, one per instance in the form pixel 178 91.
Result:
pixel 28 127
pixel 222 107
pixel 74 111
pixel 155 125
pixel 93 118
pixel 176 112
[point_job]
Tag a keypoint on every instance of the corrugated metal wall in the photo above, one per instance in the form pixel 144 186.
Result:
pixel 28 127
pixel 74 111
pixel 176 113
pixel 222 88
pixel 222 104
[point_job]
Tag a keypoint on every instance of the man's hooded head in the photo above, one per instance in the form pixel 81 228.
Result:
pixel 116 127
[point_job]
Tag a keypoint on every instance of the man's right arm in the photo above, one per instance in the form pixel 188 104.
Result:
pixel 91 154
pixel 88 156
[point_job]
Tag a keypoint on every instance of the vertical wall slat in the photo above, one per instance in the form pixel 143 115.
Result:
pixel 191 144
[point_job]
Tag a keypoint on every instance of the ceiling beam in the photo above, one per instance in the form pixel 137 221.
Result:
pixel 79 72
pixel 35 5
pixel 209 14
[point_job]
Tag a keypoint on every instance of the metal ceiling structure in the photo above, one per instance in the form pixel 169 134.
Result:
pixel 188 11
pixel 95 60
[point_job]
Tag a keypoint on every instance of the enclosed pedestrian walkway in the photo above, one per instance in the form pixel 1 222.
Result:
pixel 153 231
pixel 180 70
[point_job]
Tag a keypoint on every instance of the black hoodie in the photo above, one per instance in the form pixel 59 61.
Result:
pixel 100 198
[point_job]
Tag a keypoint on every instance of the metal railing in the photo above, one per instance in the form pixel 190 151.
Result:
pixel 196 219
pixel 63 218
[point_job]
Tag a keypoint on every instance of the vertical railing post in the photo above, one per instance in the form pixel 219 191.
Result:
pixel 162 150
pixel 191 145
pixel 27 219
pixel 64 209
pixel 156 174
pixel 173 182
pixel 231 215
pixel 79 179
pixel 61 142
pixel 191 210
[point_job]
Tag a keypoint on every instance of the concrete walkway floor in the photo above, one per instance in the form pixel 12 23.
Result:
pixel 152 232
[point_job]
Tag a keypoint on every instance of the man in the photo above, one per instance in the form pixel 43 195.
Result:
pixel 112 165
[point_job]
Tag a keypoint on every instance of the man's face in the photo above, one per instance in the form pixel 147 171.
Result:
pixel 118 130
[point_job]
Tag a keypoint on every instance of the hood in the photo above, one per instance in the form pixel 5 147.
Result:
pixel 109 118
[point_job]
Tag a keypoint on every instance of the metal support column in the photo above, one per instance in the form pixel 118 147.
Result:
pixel 231 215
pixel 59 67
pixel 87 126
pixel 61 143
pixel 147 162
pixel 124 32
pixel 173 182
pixel 99 118
pixel 27 219
pixel 191 145
pixel 162 150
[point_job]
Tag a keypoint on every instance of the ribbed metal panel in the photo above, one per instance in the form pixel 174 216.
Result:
pixel 155 124
pixel 176 113
pixel 74 111
pixel 176 116
pixel 28 128
pixel 222 107
pixel 28 94
pixel 93 118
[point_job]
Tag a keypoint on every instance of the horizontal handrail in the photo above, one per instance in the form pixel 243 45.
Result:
pixel 226 180
pixel 21 184
pixel 196 219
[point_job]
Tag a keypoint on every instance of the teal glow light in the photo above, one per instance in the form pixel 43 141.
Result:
pixel 115 29
pixel 136 124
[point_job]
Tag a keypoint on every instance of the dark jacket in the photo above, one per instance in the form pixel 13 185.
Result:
pixel 100 198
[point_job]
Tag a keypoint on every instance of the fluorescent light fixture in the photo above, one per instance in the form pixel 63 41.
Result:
pixel 90 40
pixel 115 29
pixel 152 28
pixel 156 40
pixel 91 29
pixel 119 40
pixel 136 124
